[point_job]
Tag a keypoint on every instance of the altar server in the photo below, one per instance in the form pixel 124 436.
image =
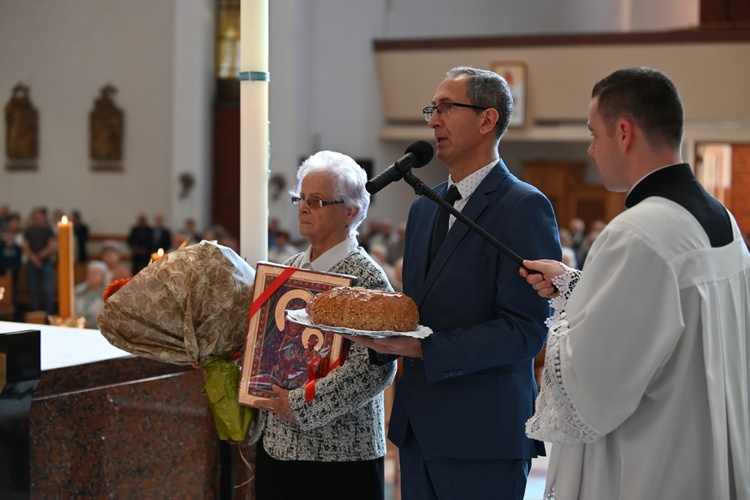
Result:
pixel 645 391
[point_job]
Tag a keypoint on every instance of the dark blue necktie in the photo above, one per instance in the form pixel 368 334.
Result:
pixel 441 225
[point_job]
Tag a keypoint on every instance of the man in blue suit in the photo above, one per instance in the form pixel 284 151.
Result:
pixel 467 390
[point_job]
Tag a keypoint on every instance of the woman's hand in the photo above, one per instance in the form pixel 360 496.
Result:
pixel 542 281
pixel 279 406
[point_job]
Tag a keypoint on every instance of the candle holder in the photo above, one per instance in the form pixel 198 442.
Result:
pixel 73 322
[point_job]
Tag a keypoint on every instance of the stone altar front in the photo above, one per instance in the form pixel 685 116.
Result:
pixel 79 417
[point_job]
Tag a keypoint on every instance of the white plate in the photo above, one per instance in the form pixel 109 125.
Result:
pixel 300 317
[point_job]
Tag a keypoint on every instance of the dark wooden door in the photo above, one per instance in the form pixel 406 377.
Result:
pixel 225 193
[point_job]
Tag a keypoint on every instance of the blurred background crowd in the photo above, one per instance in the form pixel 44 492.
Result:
pixel 28 253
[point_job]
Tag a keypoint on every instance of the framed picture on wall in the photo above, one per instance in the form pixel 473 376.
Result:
pixel 516 74
pixel 278 351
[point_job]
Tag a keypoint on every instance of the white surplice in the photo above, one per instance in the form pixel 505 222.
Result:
pixel 645 391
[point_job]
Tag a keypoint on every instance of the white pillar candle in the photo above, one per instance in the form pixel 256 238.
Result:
pixel 254 147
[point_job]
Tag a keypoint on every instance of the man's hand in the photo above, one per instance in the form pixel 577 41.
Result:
pixel 399 346
pixel 35 260
pixel 542 281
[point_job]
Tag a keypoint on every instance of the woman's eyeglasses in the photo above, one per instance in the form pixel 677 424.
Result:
pixel 313 202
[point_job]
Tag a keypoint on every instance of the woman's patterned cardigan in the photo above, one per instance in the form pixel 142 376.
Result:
pixel 346 419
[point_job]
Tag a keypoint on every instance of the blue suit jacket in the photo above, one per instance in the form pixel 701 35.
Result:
pixel 474 389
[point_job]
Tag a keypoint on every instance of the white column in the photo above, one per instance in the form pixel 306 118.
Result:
pixel 254 147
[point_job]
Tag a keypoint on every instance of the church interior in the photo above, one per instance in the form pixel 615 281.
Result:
pixel 122 114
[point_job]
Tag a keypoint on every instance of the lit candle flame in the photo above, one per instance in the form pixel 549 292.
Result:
pixel 64 219
pixel 157 255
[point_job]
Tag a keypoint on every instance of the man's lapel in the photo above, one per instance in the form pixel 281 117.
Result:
pixel 477 203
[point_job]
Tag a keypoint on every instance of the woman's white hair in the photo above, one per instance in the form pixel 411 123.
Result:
pixel 98 264
pixel 348 181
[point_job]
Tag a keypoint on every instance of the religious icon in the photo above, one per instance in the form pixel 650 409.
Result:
pixel 281 352
pixel 106 122
pixel 515 73
pixel 21 120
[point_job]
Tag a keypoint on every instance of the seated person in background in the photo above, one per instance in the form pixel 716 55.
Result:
pixel 379 253
pixel 282 248
pixel 191 231
pixel 11 251
pixel 398 272
pixel 112 257
pixel 220 235
pixel 396 245
pixel 89 294
pixel 569 257
pixel 577 228
pixel 384 236
pixel 591 237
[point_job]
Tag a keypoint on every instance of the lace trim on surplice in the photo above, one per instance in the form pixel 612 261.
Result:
pixel 556 419
pixel 565 283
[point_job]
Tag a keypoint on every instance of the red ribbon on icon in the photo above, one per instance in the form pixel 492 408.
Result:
pixel 270 290
pixel 318 368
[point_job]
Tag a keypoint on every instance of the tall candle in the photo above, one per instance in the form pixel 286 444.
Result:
pixel 65 268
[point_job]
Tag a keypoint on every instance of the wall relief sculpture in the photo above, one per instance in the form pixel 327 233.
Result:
pixel 106 129
pixel 22 130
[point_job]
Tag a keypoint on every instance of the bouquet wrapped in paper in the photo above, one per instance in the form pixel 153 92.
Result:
pixel 189 307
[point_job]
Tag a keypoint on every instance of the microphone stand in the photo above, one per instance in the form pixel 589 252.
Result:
pixel 421 189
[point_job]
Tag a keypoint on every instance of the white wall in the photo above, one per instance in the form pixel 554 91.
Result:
pixel 155 53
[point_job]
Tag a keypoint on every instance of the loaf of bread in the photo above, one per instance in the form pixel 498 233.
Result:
pixel 362 309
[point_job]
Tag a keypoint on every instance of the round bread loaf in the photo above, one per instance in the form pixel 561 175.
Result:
pixel 362 309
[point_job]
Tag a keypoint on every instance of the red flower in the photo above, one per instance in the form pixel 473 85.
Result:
pixel 114 286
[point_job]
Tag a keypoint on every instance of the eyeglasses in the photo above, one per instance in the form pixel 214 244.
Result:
pixel 313 202
pixel 444 109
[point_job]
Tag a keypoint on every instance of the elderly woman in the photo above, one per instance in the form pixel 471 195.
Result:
pixel 336 441
pixel 89 295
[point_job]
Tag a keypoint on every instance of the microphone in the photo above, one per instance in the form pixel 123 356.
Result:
pixel 418 154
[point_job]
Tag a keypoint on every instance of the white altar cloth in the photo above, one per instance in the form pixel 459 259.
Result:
pixel 63 347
